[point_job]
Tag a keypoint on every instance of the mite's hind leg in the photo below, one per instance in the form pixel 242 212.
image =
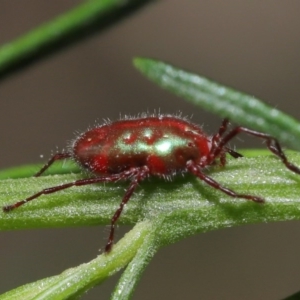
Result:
pixel 54 158
pixel 272 144
pixel 194 169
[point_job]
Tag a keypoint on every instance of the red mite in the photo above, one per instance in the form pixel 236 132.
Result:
pixel 163 145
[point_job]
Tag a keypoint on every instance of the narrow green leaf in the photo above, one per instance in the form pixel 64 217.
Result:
pixel 133 272
pixel 84 19
pixel 86 205
pixel 295 296
pixel 64 167
pixel 75 281
pixel 224 101
pixel 171 211
pixel 95 204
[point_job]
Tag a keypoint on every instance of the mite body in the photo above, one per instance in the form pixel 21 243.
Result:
pixel 162 146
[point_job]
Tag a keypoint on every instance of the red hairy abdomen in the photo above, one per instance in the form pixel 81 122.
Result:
pixel 164 144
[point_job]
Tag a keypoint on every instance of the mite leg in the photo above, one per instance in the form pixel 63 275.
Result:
pixel 233 153
pixel 141 174
pixel 272 144
pixel 215 143
pixel 222 128
pixel 54 189
pixel 215 139
pixel 54 158
pixel 223 155
pixel 197 172
pixel 137 175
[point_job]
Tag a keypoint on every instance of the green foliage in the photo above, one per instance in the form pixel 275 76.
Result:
pixel 86 18
pixel 162 212
pixel 169 212
pixel 223 101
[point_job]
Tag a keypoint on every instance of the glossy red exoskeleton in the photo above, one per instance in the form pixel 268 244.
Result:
pixel 163 145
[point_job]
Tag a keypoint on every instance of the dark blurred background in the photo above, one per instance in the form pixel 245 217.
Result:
pixel 253 46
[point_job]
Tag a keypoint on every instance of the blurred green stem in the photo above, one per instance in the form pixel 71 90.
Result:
pixel 90 16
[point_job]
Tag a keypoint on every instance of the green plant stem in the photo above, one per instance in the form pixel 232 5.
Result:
pixel 170 212
pixel 136 267
pixel 95 204
pixel 91 15
pixel 295 296
pixel 74 282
